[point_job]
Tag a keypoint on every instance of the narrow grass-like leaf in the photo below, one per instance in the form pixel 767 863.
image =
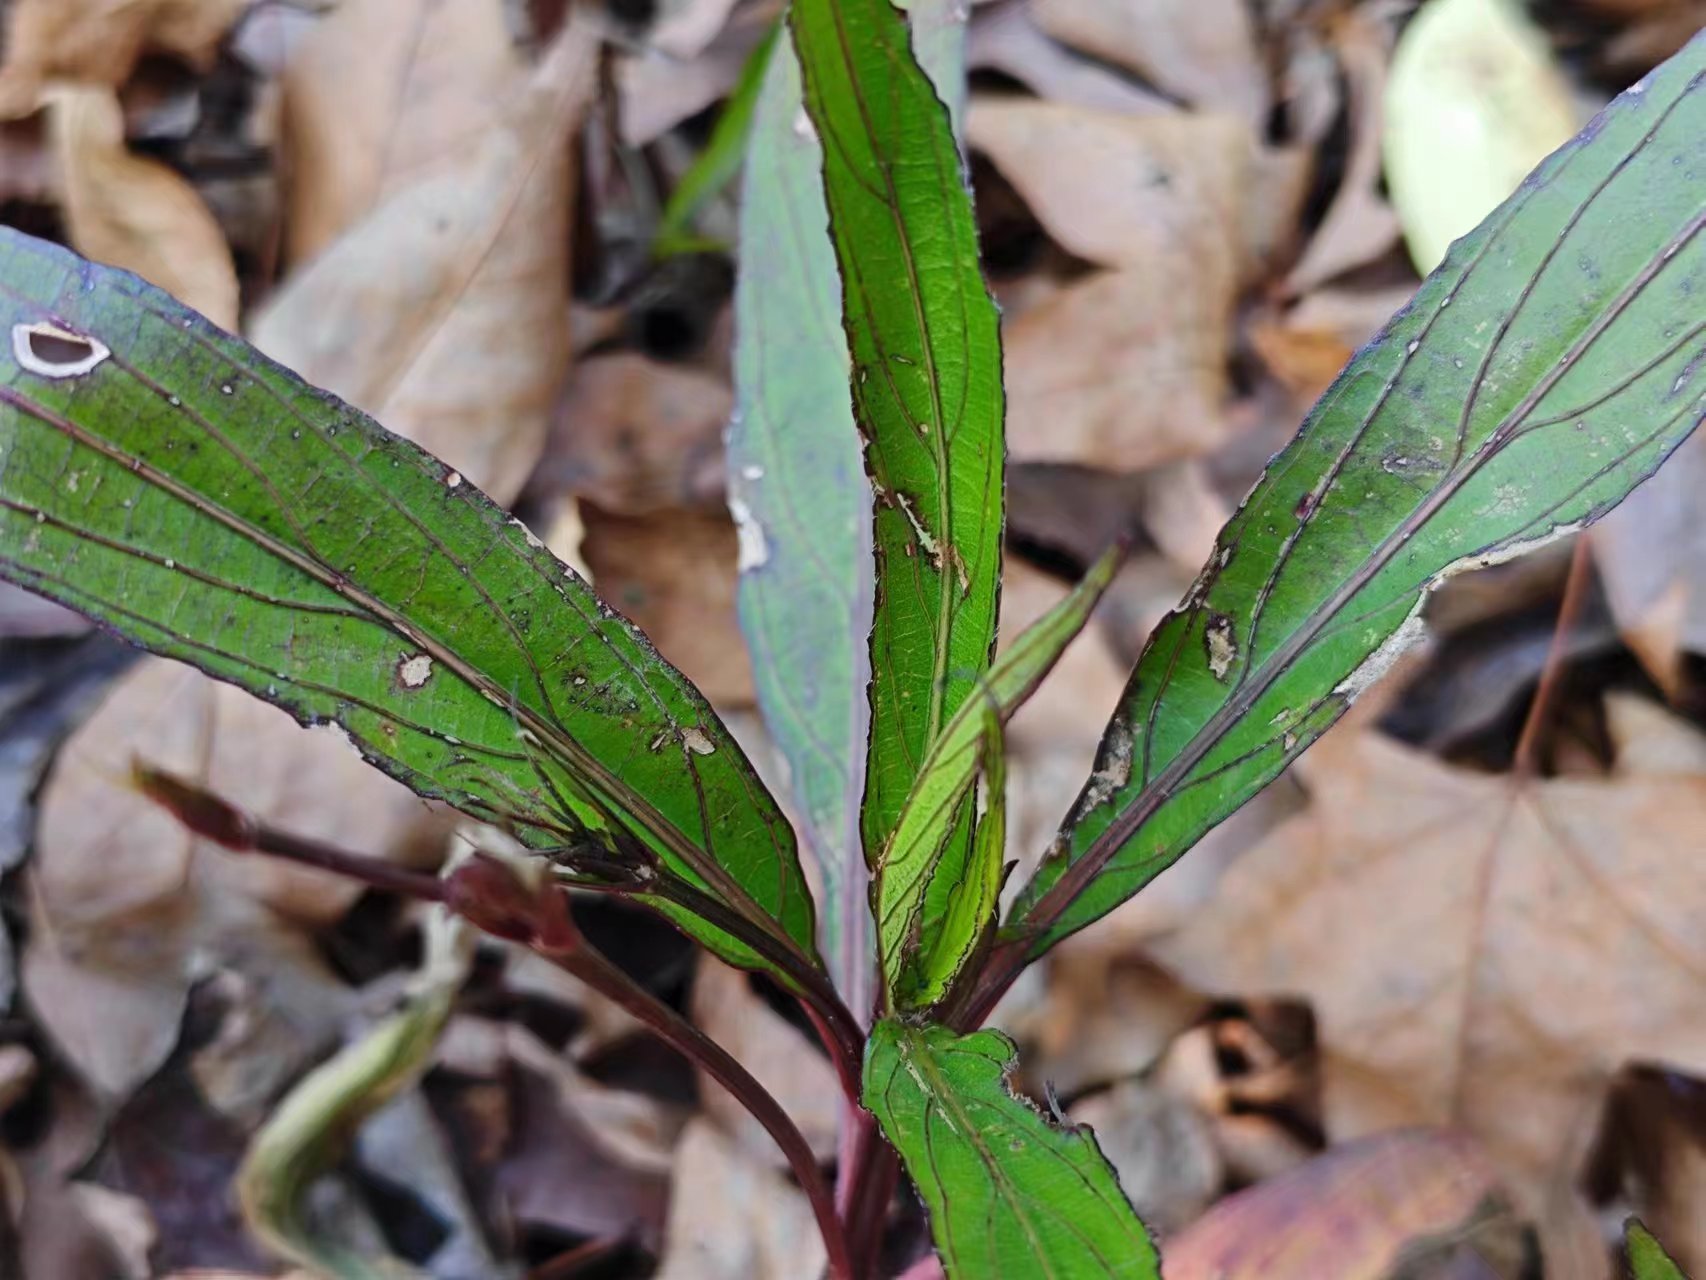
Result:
pixel 1647 1257
pixel 923 931
pixel 165 478
pixel 926 386
pixel 309 1132
pixel 718 163
pixel 1009 1193
pixel 797 486
pixel 1548 367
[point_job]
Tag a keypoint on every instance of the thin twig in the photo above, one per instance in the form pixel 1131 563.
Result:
pixel 1525 761
pixel 493 897
pixel 560 942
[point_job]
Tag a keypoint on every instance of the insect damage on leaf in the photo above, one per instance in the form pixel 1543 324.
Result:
pixel 50 351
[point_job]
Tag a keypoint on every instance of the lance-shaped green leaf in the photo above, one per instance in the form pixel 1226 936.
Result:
pixel 798 489
pixel 717 164
pixel 1009 1193
pixel 926 386
pixel 932 902
pixel 165 478
pixel 1548 367
pixel 1647 1257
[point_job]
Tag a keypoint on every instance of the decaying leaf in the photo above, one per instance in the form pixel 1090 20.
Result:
pixel 1418 1202
pixel 637 435
pixel 733 1218
pixel 674 574
pixel 1540 934
pixel 98 42
pixel 443 311
pixel 1650 553
pixel 1359 225
pixel 132 212
pixel 789 1066
pixel 1122 370
pixel 380 95
pixel 128 910
pixel 1474 102
pixel 1203 51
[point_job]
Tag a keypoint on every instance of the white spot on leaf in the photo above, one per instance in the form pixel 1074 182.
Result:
pixel 754 545
pixel 415 670
pixel 697 742
pixel 46 349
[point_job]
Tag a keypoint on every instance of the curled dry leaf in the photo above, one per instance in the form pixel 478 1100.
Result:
pixel 1411 1202
pixel 733 1218
pixel 1358 226
pixel 98 42
pixel 136 213
pixel 128 911
pixel 779 1055
pixel 1530 937
pixel 1202 51
pixel 674 574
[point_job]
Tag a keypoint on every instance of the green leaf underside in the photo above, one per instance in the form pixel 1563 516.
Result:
pixel 1009 1193
pixel 926 384
pixel 798 489
pixel 1647 1258
pixel 210 506
pixel 1549 365
pixel 925 931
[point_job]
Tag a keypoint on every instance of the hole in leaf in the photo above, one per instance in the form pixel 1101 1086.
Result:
pixel 52 352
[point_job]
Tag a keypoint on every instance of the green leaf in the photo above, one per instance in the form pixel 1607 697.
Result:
pixel 1647 1258
pixel 717 163
pixel 1548 367
pixel 208 505
pixel 931 908
pixel 309 1132
pixel 798 490
pixel 1009 1193
pixel 926 383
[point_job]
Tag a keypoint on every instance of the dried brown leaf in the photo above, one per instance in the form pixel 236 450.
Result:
pixel 1405 1202
pixel 98 42
pixel 1359 225
pixel 778 1054
pixel 381 94
pixel 127 910
pixel 733 1218
pixel 1004 36
pixel 443 311
pixel 136 213
pixel 637 435
pixel 1124 370
pixel 674 574
pixel 1201 51
pixel 1651 555
pixel 1480 951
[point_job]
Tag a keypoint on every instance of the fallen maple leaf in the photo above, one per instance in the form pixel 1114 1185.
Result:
pixel 1482 951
